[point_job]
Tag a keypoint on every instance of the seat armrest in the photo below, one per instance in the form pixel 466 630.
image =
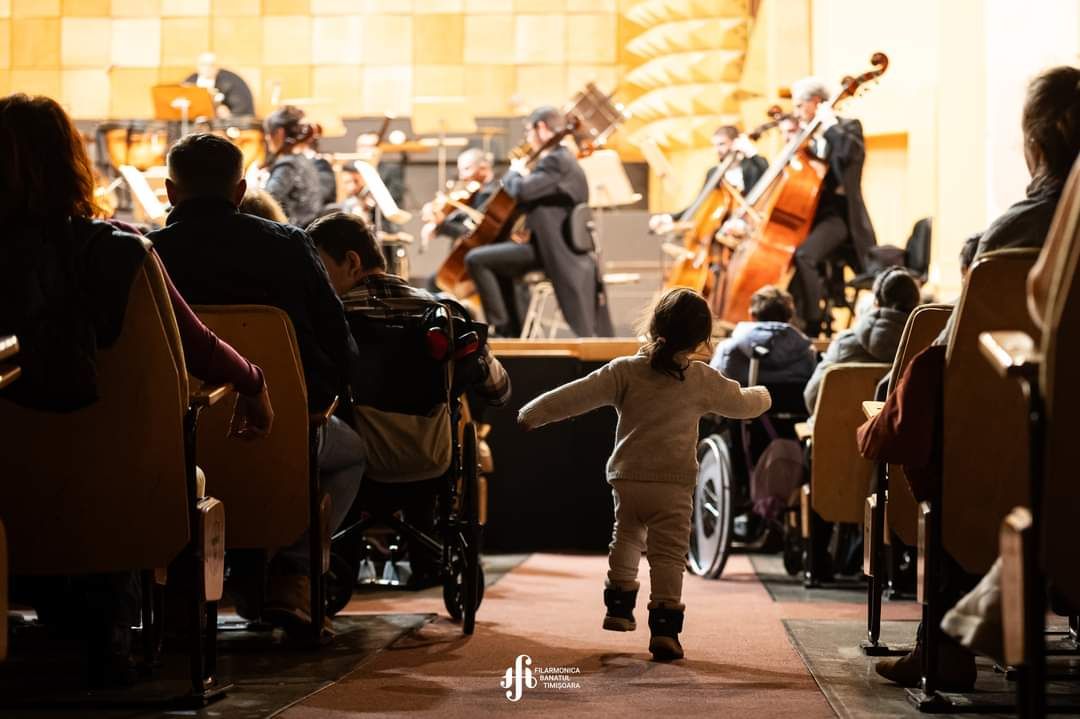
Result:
pixel 8 374
pixel 1010 353
pixel 9 346
pixel 872 409
pixel 318 419
pixel 210 394
pixel 803 431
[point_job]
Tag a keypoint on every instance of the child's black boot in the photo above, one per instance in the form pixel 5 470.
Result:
pixel 665 625
pixel 620 609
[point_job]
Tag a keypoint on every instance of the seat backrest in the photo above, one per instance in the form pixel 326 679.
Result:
pixel 1060 384
pixel 582 230
pixel 104 488
pixel 840 477
pixel 264 483
pixel 917 250
pixel 985 443
pixel 923 326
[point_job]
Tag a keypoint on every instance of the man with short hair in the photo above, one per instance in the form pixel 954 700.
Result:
pixel 218 256
pixel 548 193
pixel 475 176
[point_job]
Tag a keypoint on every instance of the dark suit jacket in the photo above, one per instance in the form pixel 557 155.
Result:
pixel 752 169
pixel 845 152
pixel 548 195
pixel 237 94
pixel 455 225
pixel 218 256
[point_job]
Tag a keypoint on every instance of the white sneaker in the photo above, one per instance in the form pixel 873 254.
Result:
pixel 975 621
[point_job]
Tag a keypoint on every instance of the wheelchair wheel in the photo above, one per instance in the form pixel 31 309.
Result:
pixel 464 587
pixel 340 582
pixel 454 586
pixel 712 521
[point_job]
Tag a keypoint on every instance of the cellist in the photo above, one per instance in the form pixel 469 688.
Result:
pixel 841 219
pixel 742 177
pixel 473 168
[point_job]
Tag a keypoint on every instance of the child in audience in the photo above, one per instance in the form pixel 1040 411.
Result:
pixel 660 394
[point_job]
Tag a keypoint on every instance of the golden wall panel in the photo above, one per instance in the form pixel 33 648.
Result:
pixel 439 39
pixel 384 7
pixel 286 40
pixel 601 6
pixel 343 84
pixel 129 93
pixel 590 39
pixel 539 7
pixel 86 93
pixel 540 39
pixel 287 81
pixel 335 7
pixel 5 8
pixel 236 8
pixel 541 85
pixel 439 80
pixel 85 42
pixel 136 42
pixel 173 74
pixel 5 83
pixel 185 8
pixel 35 43
pixel 236 40
pixel 489 6
pixel 606 77
pixel 388 40
pixel 183 38
pixel 35 8
pixel 36 82
pixel 489 38
pixel 85 8
pixel 136 8
pixel 489 88
pixel 286 7
pixel 438 6
pixel 5 44
pixel 388 89
pixel 337 40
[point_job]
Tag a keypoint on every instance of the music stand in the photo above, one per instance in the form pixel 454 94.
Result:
pixel 180 103
pixel 435 115
pixel 609 187
pixel 154 209
pixel 384 202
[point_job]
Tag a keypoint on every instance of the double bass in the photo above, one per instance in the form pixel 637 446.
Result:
pixel 589 118
pixel 783 204
pixel 699 259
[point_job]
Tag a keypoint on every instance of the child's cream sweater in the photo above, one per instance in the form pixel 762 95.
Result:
pixel 656 437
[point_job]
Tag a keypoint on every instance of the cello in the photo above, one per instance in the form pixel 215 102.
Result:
pixel 784 202
pixel 700 258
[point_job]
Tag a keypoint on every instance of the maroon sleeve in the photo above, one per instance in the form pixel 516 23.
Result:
pixel 208 357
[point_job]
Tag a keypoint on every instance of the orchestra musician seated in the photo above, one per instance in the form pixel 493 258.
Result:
pixel 220 256
pixel 742 176
pixel 292 177
pixel 476 183
pixel 232 96
pixel 791 358
pixel 549 192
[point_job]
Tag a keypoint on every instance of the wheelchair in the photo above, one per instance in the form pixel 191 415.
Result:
pixel 430 465
pixel 727 514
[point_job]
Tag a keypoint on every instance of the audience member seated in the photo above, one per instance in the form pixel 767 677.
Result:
pixel 876 334
pixel 791 357
pixel 262 204
pixel 220 256
pixel 967 255
pixel 64 284
pixel 294 179
pixel 357 270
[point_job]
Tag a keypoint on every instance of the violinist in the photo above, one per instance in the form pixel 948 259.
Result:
pixel 841 219
pixel 742 177
pixel 476 183
pixel 548 192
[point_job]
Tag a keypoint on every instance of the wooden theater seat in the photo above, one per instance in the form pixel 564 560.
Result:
pixel 985 456
pixel 839 477
pixel 266 483
pixel 9 372
pixel 109 488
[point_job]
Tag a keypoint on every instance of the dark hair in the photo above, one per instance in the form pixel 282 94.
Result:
pixel 290 117
pixel 967 252
pixel 340 232
pixel 772 304
pixel 1051 119
pixel 262 204
pixel 896 289
pixel 729 130
pixel 681 322
pixel 44 169
pixel 205 164
pixel 548 115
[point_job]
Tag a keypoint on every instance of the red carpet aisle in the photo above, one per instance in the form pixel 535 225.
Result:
pixel 550 608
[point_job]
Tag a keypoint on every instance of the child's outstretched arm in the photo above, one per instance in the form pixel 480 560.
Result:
pixel 725 397
pixel 597 389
